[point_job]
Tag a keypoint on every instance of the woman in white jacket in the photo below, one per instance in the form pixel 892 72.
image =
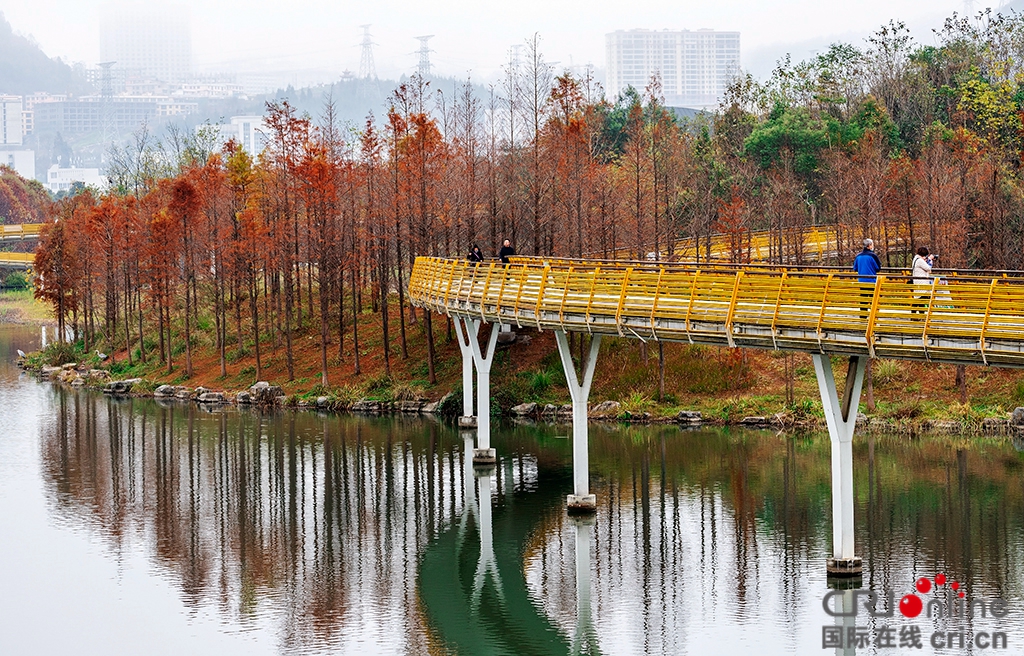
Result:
pixel 922 275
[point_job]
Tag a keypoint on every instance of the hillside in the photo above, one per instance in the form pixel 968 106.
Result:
pixel 24 68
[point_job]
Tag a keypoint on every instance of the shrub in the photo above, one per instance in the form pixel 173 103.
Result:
pixel 636 403
pixel 1018 392
pixel 539 382
pixel 886 372
pixel 58 353
pixel 405 392
pixel 380 387
pixel 451 405
pixel 16 280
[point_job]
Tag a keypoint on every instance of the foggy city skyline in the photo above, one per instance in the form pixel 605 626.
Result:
pixel 232 36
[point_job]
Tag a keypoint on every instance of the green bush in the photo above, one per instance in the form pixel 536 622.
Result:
pixel 451 405
pixel 539 382
pixel 16 280
pixel 58 353
pixel 886 372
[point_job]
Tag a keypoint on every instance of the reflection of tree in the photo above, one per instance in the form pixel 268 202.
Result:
pixel 697 525
pixel 312 521
pixel 321 524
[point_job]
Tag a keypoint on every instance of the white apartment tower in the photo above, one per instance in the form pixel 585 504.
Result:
pixel 11 130
pixel 695 66
pixel 150 41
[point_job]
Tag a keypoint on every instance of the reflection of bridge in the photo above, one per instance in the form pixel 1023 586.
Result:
pixel 10 234
pixel 474 609
pixel 970 320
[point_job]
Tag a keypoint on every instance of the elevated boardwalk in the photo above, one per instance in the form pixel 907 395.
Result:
pixel 15 233
pixel 22 261
pixel 962 319
pixel 817 244
pixel 969 318
pixel 12 234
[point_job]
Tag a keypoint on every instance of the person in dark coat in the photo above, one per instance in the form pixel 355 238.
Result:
pixel 506 251
pixel 867 265
pixel 475 255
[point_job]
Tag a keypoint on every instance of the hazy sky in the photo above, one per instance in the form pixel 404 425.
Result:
pixel 470 35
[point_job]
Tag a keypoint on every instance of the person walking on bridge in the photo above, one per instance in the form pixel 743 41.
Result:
pixel 922 277
pixel 867 265
pixel 475 255
pixel 506 251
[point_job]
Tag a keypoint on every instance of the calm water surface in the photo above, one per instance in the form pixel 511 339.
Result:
pixel 134 527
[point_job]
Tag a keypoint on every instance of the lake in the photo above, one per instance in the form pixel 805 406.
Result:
pixel 135 526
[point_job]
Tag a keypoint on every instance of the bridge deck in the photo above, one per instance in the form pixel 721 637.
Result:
pixel 10 233
pixel 16 233
pixel 963 320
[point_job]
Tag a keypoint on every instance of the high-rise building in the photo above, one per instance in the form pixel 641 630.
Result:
pixel 11 130
pixel 148 41
pixel 695 66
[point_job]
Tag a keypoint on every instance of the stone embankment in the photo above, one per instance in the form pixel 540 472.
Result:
pixel 265 395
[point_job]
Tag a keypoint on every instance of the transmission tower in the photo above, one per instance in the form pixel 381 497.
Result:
pixel 369 86
pixel 108 120
pixel 424 67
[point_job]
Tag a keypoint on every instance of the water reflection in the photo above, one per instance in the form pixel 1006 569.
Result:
pixel 379 536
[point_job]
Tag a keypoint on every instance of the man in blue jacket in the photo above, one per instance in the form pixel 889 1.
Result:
pixel 867 265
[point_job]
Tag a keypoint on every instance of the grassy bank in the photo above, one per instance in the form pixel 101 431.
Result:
pixel 725 385
pixel 19 307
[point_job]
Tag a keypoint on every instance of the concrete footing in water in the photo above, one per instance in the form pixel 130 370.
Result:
pixel 845 566
pixel 581 504
pixel 484 457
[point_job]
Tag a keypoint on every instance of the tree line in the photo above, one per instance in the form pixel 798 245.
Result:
pixel 324 225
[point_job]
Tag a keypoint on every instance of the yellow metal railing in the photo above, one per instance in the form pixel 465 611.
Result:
pixel 965 321
pixel 817 244
pixel 18 232
pixel 17 260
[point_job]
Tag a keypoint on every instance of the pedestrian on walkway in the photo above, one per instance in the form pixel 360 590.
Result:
pixel 475 255
pixel 921 274
pixel 867 265
pixel 506 251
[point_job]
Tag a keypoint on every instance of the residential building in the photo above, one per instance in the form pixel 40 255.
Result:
pixel 148 41
pixel 11 130
pixel 207 90
pixel 695 66
pixel 63 179
pixel 22 160
pixel 250 132
pixel 85 114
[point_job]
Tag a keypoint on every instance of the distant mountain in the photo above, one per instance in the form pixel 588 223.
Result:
pixel 24 68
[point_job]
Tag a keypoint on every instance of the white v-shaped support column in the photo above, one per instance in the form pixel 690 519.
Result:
pixel 467 420
pixel 581 500
pixel 484 454
pixel 841 417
